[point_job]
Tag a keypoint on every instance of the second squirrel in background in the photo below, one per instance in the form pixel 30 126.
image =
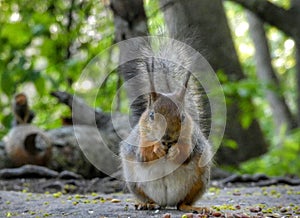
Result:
pixel 21 111
pixel 166 159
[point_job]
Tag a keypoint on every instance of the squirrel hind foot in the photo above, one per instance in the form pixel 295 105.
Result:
pixel 147 206
pixel 193 209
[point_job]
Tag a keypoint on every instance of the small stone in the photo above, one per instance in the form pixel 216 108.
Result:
pixel 115 200
pixel 229 215
pixel 166 215
pixel 240 215
pixel 238 207
pixel 285 209
pixel 255 209
pixel 237 193
pixel 237 215
pixel 189 215
pixel 90 211
pixel 216 214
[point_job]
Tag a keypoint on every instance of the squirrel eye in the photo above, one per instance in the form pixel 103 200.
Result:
pixel 182 117
pixel 151 115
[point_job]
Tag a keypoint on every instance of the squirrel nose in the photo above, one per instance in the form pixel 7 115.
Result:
pixel 167 144
pixel 166 138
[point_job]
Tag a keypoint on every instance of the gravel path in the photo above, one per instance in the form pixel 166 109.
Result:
pixel 274 201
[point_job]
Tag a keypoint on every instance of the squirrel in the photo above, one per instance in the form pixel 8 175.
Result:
pixel 21 111
pixel 166 158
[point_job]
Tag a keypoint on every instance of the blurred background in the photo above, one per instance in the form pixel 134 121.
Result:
pixel 45 45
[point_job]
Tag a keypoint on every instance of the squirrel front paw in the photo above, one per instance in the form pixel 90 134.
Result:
pixel 152 152
pixel 173 152
pixel 179 153
pixel 159 149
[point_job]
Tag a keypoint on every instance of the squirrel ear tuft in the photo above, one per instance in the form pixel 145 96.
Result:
pixel 184 88
pixel 152 98
pixel 150 69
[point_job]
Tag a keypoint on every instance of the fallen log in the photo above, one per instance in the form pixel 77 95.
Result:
pixel 89 147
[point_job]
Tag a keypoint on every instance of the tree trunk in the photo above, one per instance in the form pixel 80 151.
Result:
pixel 273 14
pixel 129 18
pixel 130 21
pixel 295 9
pixel 287 21
pixel 298 79
pixel 207 19
pixel 265 72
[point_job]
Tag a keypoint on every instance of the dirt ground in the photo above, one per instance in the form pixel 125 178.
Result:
pixel 272 201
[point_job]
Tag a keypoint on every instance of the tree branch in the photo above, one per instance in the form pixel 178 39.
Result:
pixel 272 14
pixel 69 26
pixel 81 112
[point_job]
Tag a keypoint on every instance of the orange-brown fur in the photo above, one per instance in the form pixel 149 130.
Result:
pixel 191 197
pixel 197 187
pixel 21 99
pixel 148 153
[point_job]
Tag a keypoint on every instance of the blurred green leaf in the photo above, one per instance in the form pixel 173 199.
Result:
pixel 40 86
pixel 230 144
pixel 246 120
pixel 17 34
pixel 282 159
pixel 7 84
pixel 7 121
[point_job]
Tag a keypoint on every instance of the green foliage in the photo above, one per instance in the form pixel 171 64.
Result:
pixel 284 148
pixel 46 45
pixel 282 159
pixel 154 13
pixel 244 90
pixel 230 143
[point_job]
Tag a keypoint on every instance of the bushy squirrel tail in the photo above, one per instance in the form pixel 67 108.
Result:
pixel 171 61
